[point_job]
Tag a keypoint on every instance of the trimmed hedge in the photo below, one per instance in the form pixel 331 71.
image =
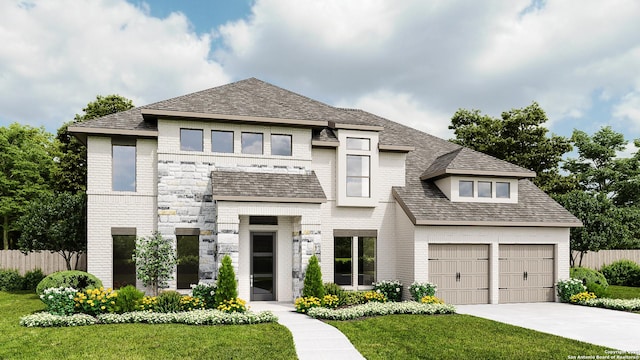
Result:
pixel 592 279
pixel 10 280
pixel 622 272
pixel 78 280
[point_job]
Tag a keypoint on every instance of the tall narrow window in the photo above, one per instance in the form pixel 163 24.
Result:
pixel 124 167
pixel 191 140
pixel 222 141
pixel 342 269
pixel 188 260
pixel 358 175
pixel 281 145
pixel 366 260
pixel 360 271
pixel 252 143
pixel 124 268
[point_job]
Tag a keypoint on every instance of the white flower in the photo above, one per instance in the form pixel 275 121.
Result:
pixel 397 289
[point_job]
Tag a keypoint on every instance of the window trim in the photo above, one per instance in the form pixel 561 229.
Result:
pixel 242 142
pixel 233 135
pixel 201 139
pixel 290 136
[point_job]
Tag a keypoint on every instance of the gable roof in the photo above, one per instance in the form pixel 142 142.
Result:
pixel 428 157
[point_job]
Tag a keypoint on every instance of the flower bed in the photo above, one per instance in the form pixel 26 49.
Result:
pixel 195 317
pixel 377 308
pixel 613 304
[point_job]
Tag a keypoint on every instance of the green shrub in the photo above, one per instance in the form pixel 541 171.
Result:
pixel 206 293
pixel 592 279
pixel 226 286
pixel 10 280
pixel 32 279
pixel 567 288
pixel 189 303
pixel 354 298
pixel 313 280
pixel 419 290
pixel 168 302
pixel 128 299
pixel 392 290
pixel 78 280
pixel 59 301
pixel 335 289
pixel 622 272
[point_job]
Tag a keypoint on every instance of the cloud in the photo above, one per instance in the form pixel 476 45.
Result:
pixel 56 56
pixel 629 108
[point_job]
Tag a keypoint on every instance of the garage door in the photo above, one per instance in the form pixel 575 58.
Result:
pixel 461 272
pixel 526 273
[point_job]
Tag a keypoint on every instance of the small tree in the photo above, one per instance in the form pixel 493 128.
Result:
pixel 313 280
pixel 155 261
pixel 227 286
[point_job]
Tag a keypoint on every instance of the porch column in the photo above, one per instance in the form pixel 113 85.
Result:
pixel 307 240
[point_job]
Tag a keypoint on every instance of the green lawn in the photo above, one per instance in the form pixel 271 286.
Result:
pixel 455 337
pixel 135 341
pixel 623 292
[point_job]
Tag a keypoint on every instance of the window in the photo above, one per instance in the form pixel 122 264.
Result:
pixel 484 189
pixel 188 260
pixel 358 144
pixel 251 143
pixel 191 140
pixel 124 268
pixel 281 145
pixel 466 188
pixel 222 141
pixel 503 190
pixel 358 175
pixel 124 167
pixel 345 267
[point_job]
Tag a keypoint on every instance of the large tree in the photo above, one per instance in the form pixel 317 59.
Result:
pixel 73 160
pixel 56 223
pixel 26 170
pixel 519 137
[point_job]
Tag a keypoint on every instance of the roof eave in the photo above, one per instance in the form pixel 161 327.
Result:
pixel 107 131
pixel 396 148
pixel 269 199
pixel 434 222
pixel 171 114
pixel 489 173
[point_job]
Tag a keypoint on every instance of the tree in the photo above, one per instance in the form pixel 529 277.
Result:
pixel 227 286
pixel 55 223
pixel 155 261
pixel 72 174
pixel 518 137
pixel 313 285
pixel 26 170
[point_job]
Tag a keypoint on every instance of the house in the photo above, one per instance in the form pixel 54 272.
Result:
pixel 271 178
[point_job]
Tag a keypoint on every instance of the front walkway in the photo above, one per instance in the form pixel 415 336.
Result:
pixel 611 328
pixel 314 340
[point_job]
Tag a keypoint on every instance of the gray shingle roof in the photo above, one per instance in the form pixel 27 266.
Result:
pixel 258 186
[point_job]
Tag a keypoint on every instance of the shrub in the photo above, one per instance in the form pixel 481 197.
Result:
pixel 622 272
pixel 303 304
pixel 593 280
pixel 431 300
pixel 419 290
pixel 168 302
pixel 615 304
pixel 189 303
pixel 567 288
pixel 95 301
pixel 59 301
pixel 313 280
pixel 582 297
pixel 148 303
pixel 335 289
pixel 392 290
pixel 44 319
pixel 32 279
pixel 128 299
pixel 354 298
pixel 373 296
pixel 10 280
pixel 206 293
pixel 233 305
pixel 226 286
pixel 79 280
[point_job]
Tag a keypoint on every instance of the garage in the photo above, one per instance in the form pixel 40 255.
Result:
pixel 461 272
pixel 526 273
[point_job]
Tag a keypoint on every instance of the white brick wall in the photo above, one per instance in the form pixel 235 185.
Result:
pixel 406 254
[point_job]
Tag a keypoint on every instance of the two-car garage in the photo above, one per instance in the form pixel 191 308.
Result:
pixel 463 272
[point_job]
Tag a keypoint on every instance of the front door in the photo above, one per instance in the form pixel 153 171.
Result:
pixel 262 266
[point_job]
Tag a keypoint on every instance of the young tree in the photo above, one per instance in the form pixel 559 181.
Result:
pixel 55 223
pixel 227 286
pixel 313 285
pixel 155 261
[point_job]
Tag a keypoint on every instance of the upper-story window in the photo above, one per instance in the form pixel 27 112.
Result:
pixel 358 144
pixel 252 143
pixel 191 140
pixel 484 189
pixel 503 190
pixel 358 175
pixel 124 167
pixel 222 141
pixel 281 145
pixel 465 188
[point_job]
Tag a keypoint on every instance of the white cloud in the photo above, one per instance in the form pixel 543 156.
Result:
pixel 58 55
pixel 629 108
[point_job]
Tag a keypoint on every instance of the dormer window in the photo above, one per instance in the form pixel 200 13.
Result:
pixel 465 188
pixel 484 189
pixel 503 190
pixel 479 189
pixel 357 168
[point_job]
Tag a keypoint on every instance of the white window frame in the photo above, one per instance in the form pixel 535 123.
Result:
pixel 341 182
pixel 450 186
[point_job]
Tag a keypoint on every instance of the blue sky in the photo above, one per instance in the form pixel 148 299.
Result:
pixel 414 61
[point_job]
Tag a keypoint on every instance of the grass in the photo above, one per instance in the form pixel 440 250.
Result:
pixel 623 292
pixel 135 341
pixel 455 337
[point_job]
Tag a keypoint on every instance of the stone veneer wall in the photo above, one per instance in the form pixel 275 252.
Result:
pixel 306 243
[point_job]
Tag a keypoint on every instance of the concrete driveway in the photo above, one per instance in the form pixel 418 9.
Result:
pixel 614 329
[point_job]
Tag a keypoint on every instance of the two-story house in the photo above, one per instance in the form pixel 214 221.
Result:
pixel 271 178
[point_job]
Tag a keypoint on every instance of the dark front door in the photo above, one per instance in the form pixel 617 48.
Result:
pixel 262 266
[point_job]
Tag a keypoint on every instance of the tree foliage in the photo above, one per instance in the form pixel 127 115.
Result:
pixel 26 171
pixel 55 223
pixel 519 137
pixel 227 286
pixel 155 261
pixel 313 285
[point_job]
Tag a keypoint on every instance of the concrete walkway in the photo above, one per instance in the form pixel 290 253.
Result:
pixel 614 329
pixel 314 340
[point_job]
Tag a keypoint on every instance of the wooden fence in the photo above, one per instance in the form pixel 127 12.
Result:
pixel 45 261
pixel 595 260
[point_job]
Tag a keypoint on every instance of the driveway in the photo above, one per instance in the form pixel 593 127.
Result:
pixel 614 329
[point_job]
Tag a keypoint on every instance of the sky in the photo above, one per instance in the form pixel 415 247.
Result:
pixel 413 61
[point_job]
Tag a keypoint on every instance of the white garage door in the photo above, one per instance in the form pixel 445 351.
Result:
pixel 526 273
pixel 461 272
